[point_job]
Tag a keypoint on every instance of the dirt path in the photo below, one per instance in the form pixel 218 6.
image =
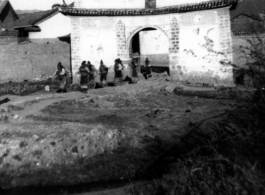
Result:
pixel 33 104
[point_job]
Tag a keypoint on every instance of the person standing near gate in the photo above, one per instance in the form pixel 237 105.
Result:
pixel 118 67
pixel 103 70
pixel 84 76
pixel 134 68
pixel 92 74
pixel 61 76
pixel 147 73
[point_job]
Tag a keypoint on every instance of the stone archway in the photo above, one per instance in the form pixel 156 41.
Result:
pixel 149 42
pixel 140 29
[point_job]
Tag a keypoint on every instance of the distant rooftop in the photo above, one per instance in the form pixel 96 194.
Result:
pixel 252 8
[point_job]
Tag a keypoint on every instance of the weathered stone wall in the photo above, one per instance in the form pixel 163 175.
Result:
pixel 108 38
pixel 205 41
pixel 198 42
pixel 31 61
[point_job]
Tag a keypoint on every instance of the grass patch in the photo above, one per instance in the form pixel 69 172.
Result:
pixel 232 161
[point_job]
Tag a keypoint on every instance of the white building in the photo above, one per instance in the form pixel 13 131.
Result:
pixel 193 36
pixel 52 26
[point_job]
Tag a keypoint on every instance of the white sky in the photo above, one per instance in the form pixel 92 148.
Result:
pixel 36 4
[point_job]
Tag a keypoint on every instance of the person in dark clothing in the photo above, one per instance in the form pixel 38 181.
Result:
pixel 92 74
pixel 118 67
pixel 148 72
pixel 84 76
pixel 134 68
pixel 103 70
pixel 61 76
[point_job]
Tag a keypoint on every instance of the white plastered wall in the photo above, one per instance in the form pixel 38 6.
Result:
pixel 99 36
pixel 99 40
pixel 200 44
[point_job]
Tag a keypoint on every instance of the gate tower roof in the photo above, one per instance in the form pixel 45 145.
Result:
pixel 182 8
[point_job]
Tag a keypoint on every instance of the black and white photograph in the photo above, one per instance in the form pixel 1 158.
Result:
pixel 132 97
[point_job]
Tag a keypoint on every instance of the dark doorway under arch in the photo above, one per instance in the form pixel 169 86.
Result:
pixel 151 43
pixel 135 43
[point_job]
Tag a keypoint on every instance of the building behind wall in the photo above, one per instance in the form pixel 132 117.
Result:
pixel 248 26
pixel 198 35
pixel 35 50
pixel 7 15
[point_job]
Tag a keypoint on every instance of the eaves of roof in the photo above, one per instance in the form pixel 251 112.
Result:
pixel 254 17
pixel 45 17
pixel 29 28
pixel 49 15
pixel 156 11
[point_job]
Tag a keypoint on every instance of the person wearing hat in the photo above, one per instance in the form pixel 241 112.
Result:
pixel 84 76
pixel 92 74
pixel 118 67
pixel 103 70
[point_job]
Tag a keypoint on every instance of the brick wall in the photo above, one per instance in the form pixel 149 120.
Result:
pixel 225 35
pixel 121 40
pixel 174 47
pixel 32 61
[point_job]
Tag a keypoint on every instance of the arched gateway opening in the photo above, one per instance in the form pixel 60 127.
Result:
pixel 151 43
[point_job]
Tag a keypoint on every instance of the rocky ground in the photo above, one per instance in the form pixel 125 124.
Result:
pixel 106 135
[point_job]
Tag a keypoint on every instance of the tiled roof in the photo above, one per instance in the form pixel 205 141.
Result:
pixel 2 4
pixel 30 18
pixel 156 11
pixel 251 8
pixel 45 16
pixel 36 17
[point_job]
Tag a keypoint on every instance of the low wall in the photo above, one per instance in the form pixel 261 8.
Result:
pixel 25 88
pixel 31 61
pixel 156 59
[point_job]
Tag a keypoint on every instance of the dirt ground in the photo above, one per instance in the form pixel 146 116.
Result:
pixel 108 134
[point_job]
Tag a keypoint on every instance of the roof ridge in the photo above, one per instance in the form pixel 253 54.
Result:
pixel 213 4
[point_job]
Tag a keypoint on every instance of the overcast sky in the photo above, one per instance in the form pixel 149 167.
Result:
pixel 36 4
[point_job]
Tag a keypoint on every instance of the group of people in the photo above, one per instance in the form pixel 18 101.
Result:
pixel 135 68
pixel 88 73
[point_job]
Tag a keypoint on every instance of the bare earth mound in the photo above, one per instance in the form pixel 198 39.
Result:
pixel 108 134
